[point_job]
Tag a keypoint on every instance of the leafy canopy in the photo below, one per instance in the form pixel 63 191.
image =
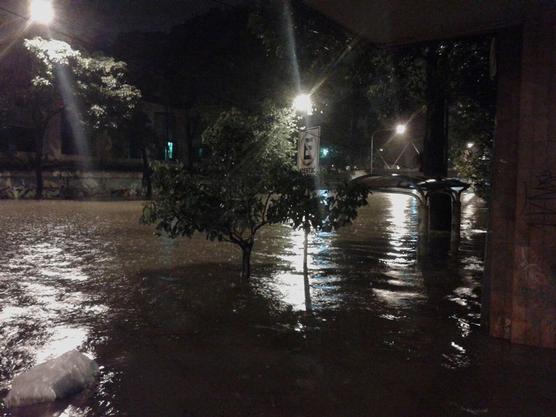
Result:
pixel 229 195
pixel 94 87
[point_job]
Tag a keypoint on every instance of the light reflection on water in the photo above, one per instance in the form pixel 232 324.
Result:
pixel 164 322
pixel 37 300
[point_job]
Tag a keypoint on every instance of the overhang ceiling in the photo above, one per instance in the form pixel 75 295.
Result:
pixel 391 22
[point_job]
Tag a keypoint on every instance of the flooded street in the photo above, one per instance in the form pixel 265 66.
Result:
pixel 383 329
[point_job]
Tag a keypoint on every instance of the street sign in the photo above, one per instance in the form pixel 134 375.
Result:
pixel 308 151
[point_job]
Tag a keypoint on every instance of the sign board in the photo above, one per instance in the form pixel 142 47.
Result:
pixel 308 151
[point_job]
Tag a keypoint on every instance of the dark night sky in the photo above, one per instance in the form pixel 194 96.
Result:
pixel 102 19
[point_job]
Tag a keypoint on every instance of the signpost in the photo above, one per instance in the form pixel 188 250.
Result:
pixel 308 151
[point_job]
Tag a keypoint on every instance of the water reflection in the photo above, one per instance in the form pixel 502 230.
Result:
pixel 39 297
pixel 375 328
pixel 402 230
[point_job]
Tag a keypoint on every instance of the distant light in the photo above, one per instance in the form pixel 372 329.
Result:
pixel 41 11
pixel 303 104
pixel 324 152
pixel 169 151
pixel 381 150
pixel 397 167
pixel 400 129
pixel 470 145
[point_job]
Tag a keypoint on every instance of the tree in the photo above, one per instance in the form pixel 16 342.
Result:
pixel 202 71
pixel 471 140
pixel 92 90
pixel 321 58
pixel 362 88
pixel 248 181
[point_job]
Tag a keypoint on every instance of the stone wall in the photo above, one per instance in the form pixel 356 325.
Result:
pixel 73 184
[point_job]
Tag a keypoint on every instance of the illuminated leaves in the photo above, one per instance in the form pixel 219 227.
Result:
pixel 97 84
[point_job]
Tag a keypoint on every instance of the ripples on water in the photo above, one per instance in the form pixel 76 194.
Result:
pixel 383 328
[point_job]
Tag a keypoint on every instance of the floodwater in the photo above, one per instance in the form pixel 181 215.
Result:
pixel 384 328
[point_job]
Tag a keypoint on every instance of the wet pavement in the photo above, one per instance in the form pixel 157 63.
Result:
pixel 384 328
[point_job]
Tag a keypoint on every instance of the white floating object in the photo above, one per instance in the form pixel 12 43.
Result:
pixel 57 378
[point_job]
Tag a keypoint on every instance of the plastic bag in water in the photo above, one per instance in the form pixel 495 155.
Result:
pixel 56 378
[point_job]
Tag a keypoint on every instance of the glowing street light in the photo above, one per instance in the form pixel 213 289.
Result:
pixel 400 129
pixel 470 145
pixel 41 11
pixel 303 104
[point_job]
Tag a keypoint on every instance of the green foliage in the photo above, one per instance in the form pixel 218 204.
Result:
pixel 304 205
pixel 65 78
pixel 472 124
pixel 395 82
pixel 248 181
pixel 229 196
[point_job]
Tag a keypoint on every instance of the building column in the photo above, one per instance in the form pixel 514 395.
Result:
pixel 521 260
pixel 497 283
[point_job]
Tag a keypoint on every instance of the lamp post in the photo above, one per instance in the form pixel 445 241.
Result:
pixel 399 129
pixel 304 105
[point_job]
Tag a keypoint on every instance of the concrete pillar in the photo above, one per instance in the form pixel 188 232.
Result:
pixel 498 281
pixel 521 259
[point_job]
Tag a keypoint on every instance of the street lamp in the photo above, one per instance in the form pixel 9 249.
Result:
pixel 41 11
pixel 399 129
pixel 303 104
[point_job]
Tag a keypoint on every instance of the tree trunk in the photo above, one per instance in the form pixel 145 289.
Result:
pixel 435 152
pixel 246 261
pixel 147 183
pixel 39 135
pixel 191 130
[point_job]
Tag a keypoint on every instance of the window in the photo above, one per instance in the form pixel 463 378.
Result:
pixel 169 151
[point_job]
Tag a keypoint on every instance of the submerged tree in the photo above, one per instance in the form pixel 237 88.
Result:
pixel 248 181
pixel 92 90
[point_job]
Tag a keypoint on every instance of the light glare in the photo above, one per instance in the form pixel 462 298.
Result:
pixel 303 104
pixel 470 145
pixel 400 129
pixel 41 11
